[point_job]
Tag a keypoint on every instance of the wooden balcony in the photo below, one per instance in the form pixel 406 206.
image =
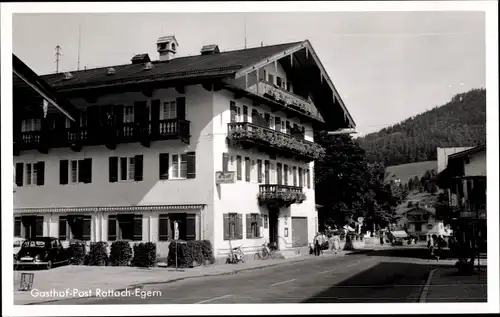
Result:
pixel 129 132
pixel 287 98
pixel 280 195
pixel 249 134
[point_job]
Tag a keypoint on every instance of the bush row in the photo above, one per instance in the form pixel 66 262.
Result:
pixel 190 253
pixel 120 254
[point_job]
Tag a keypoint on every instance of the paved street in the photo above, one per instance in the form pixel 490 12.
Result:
pixel 371 277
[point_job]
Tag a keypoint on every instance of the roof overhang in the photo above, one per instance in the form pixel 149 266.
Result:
pixel 30 78
pixel 137 208
pixel 466 153
pixel 309 51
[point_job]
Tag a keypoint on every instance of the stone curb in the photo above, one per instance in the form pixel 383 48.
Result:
pixel 142 285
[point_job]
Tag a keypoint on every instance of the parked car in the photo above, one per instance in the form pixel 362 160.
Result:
pixel 42 252
pixel 17 245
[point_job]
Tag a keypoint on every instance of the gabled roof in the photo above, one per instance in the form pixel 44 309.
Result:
pixel 474 150
pixel 223 64
pixel 25 77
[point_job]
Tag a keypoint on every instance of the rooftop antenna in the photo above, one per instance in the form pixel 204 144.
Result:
pixel 245 33
pixel 79 41
pixel 261 43
pixel 58 54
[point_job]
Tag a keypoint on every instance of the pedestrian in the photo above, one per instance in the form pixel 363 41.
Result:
pixel 317 245
pixel 336 242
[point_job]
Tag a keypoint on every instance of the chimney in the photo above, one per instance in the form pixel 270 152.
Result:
pixel 210 49
pixel 166 47
pixel 140 59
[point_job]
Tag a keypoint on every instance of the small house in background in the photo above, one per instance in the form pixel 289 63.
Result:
pixel 421 220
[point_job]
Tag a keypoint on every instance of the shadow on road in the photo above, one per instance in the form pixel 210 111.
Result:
pixel 387 282
pixel 399 252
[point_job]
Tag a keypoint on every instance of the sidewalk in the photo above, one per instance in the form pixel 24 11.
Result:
pixel 84 278
pixel 445 285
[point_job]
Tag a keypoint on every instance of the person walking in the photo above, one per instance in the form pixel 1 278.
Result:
pixel 317 244
pixel 336 242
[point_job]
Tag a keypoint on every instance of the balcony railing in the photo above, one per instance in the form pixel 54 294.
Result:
pixel 280 195
pixel 121 133
pixel 245 132
pixel 287 98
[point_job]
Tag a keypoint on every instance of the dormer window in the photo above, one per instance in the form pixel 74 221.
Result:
pixel 173 46
pixel 29 125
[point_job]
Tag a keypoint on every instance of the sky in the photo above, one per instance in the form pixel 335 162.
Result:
pixel 387 66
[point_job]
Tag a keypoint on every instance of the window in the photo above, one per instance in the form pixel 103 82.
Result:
pixel 75 227
pixel 278 81
pixel 266 172
pixel 289 86
pixel 253 226
pixel 125 227
pixel 163 166
pixel 238 167
pixel 28 125
pixel 126 168
pixel 259 171
pixel 285 174
pixel 294 174
pixel 179 166
pixel 308 178
pixel 235 112
pixel 301 175
pixel 265 222
pixel 247 169
pixel 277 124
pixel 17 227
pixel 128 114
pixel 270 78
pixel 168 110
pixel 30 174
pixel 279 172
pixel 233 226
pixel 186 225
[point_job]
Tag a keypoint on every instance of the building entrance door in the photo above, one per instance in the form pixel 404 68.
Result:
pixel 273 226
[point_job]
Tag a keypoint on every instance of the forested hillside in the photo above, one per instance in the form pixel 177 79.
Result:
pixel 460 122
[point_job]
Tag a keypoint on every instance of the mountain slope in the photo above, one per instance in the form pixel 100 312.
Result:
pixel 460 122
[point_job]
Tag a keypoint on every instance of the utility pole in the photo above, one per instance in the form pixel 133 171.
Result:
pixel 245 33
pixel 58 54
pixel 79 41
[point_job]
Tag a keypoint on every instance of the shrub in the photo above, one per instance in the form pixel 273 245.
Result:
pixel 77 252
pixel 120 253
pixel 144 254
pixel 97 255
pixel 190 252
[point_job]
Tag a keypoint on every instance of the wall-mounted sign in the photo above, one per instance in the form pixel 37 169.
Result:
pixel 176 230
pixel 286 232
pixel 224 177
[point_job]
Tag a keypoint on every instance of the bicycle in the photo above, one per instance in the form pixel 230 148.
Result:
pixel 267 250
pixel 236 255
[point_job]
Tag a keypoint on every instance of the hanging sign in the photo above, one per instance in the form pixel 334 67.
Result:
pixel 224 177
pixel 176 230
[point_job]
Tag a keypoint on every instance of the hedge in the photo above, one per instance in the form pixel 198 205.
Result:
pixel 190 253
pixel 98 255
pixel 144 254
pixel 77 252
pixel 120 254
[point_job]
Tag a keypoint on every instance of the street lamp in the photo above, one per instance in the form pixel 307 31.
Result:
pixel 342 131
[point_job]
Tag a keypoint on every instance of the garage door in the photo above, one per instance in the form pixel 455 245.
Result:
pixel 299 231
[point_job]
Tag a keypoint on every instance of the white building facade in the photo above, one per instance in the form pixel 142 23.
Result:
pixel 141 158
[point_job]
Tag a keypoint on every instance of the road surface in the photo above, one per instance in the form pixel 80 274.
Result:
pixel 361 278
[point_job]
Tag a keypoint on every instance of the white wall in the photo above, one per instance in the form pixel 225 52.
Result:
pixel 476 165
pixel 443 153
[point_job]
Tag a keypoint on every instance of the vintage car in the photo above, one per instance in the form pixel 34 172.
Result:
pixel 42 252
pixel 17 245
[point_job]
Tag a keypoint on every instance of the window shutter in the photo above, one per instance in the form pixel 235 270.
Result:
pixel 277 124
pixel 163 165
pixel 266 171
pixel 301 183
pixel 63 172
pixel 40 173
pixel 155 116
pixel 267 118
pixel 190 227
pixel 17 226
pixel 38 227
pixel 239 226
pixel 181 108
pixel 232 108
pixel 191 165
pixel 245 114
pixel 163 228
pixel 62 228
pixel 249 226
pixel 112 228
pixel 113 169
pixel 81 171
pixel 225 162
pixel 287 127
pixel 259 225
pixel 247 169
pixel 238 167
pixel 19 174
pixel 259 171
pixel 86 223
pixel 118 115
pixel 308 178
pixel 87 170
pixel 137 227
pixel 225 218
pixel 138 168
pixel 140 111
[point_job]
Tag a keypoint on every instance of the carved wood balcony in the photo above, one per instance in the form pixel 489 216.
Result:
pixel 248 134
pixel 280 195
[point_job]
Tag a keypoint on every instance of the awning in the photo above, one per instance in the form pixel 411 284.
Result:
pixel 144 208
pixel 399 234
